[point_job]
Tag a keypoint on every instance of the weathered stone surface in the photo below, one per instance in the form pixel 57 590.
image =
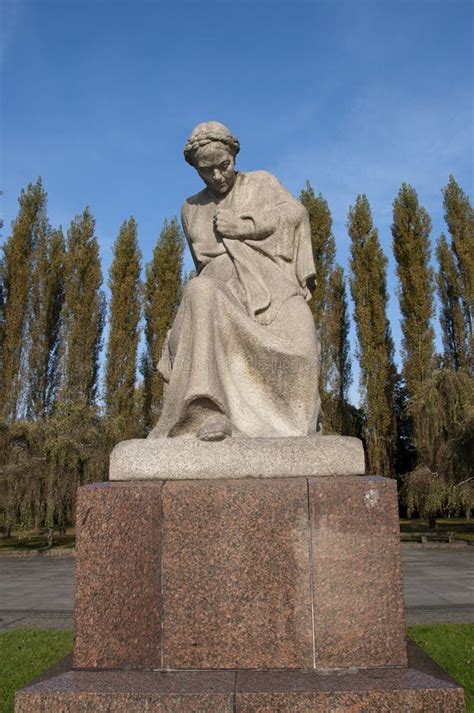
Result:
pixel 117 585
pixel 242 355
pixel 236 586
pixel 357 576
pixel 421 688
pixel 130 692
pixel 189 458
pixel 393 691
pixel 222 574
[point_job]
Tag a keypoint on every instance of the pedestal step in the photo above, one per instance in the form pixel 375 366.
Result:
pixel 421 688
pixel 190 458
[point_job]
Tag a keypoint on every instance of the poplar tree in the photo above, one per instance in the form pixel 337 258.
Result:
pixel 453 324
pixel 47 293
pixel 411 246
pixel 2 298
pixel 459 217
pixel 162 294
pixel 16 285
pixel 83 313
pixel 340 376
pixel 375 351
pixel 324 251
pixel 124 318
pixel 2 313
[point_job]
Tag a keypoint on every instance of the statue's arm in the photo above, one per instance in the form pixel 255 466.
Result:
pixel 270 205
pixel 260 223
pixel 184 223
pixel 265 221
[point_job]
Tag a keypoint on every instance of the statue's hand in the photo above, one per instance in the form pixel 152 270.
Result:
pixel 229 225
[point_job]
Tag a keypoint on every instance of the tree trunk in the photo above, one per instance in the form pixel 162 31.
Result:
pixel 50 537
pixel 36 524
pixel 6 530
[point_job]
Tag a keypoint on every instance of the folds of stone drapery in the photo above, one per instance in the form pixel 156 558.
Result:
pixel 217 358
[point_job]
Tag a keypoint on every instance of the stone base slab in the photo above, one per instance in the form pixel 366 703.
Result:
pixel 285 573
pixel 236 457
pixel 421 688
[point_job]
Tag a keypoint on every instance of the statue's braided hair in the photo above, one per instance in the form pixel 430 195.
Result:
pixel 206 133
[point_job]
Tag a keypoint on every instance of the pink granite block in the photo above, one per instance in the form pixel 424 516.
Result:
pixel 236 586
pixel 131 692
pixel 357 576
pixel 117 585
pixel 421 688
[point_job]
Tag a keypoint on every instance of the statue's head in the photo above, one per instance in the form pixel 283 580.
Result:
pixel 212 149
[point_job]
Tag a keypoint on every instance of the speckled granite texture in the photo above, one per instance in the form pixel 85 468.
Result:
pixel 359 617
pixel 236 590
pixel 117 583
pixel 265 574
pixel 421 688
pixel 239 457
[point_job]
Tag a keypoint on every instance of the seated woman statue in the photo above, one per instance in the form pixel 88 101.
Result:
pixel 242 356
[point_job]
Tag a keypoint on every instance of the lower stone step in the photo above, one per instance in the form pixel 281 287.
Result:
pixel 421 688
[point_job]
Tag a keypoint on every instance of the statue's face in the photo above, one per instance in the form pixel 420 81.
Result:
pixel 216 166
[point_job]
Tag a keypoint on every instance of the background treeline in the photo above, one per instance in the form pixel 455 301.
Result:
pixel 62 409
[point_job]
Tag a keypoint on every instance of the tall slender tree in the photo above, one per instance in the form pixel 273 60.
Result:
pixel 453 323
pixel 324 251
pixel 3 298
pixel 162 294
pixel 340 373
pixel 47 294
pixel 83 313
pixel 411 246
pixel 377 370
pixel 124 318
pixel 459 216
pixel 16 287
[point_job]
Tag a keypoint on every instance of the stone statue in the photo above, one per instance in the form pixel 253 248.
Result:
pixel 242 356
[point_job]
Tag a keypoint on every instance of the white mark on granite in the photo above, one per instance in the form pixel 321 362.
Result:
pixel 371 498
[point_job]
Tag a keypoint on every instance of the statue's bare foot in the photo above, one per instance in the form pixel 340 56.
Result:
pixel 216 428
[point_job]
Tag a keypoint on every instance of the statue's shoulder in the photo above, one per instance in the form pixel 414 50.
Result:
pixel 264 180
pixel 200 198
pixel 260 177
pixel 265 184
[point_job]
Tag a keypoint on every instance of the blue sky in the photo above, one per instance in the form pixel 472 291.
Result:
pixel 99 97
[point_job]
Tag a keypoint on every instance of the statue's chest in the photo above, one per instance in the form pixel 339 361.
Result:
pixel 201 226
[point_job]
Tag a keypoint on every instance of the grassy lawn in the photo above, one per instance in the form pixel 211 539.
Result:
pixel 452 646
pixel 25 653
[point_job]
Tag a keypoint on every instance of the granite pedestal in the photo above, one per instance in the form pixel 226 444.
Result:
pixel 241 594
pixel 422 687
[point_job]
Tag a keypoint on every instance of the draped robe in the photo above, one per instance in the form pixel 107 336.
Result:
pixel 243 342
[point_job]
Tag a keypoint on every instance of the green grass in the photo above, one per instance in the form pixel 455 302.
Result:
pixel 24 654
pixel 452 646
